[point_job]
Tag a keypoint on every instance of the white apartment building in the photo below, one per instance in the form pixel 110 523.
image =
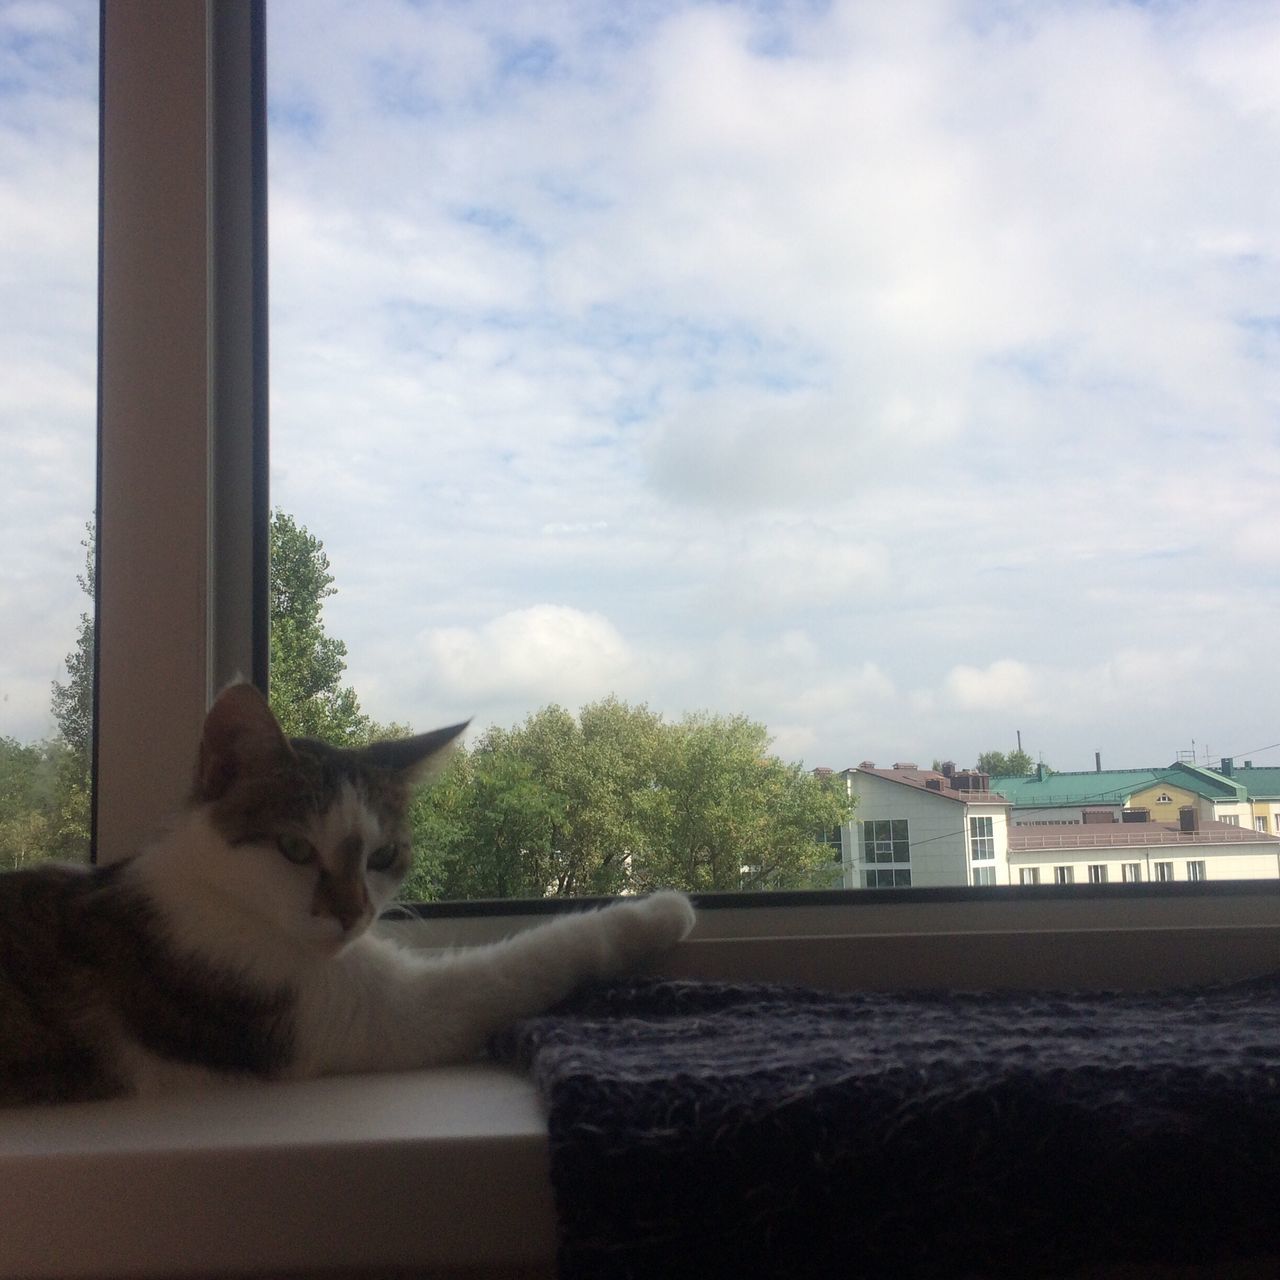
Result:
pixel 916 828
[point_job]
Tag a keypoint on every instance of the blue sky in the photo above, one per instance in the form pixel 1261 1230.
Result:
pixel 899 376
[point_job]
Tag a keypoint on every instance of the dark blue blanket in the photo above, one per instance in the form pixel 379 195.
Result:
pixel 707 1130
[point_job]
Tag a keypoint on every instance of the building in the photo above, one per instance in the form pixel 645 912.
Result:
pixel 1138 852
pixel 1046 799
pixel 917 827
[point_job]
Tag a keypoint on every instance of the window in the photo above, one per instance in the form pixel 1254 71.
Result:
pixel 1164 798
pixel 982 841
pixel 1098 873
pixel 984 875
pixel 48 354
pixel 1163 870
pixel 1195 869
pixel 884 878
pixel 1231 819
pixel 600 324
pixel 1028 875
pixel 1064 875
pixel 1132 872
pixel 1260 823
pixel 885 840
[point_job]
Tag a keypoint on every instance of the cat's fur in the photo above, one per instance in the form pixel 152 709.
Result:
pixel 237 946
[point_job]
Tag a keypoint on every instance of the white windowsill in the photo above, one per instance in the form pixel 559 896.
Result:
pixel 442 1169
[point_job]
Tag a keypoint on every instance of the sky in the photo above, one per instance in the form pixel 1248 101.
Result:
pixel 903 377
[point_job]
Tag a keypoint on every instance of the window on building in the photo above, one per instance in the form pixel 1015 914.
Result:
pixel 885 840
pixel 1064 875
pixel 1132 872
pixel 1162 870
pixel 1164 798
pixel 1260 823
pixel 982 840
pixel 1028 875
pixel 886 878
pixel 1098 873
pixel 1196 869
pixel 984 875
pixel 1231 819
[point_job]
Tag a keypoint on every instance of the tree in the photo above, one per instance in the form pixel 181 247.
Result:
pixel 1014 765
pixel 307 694
pixel 618 800
pixel 73 702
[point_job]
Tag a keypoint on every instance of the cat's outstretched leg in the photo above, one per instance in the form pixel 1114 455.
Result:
pixel 420 1011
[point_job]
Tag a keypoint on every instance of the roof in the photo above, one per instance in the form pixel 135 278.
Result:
pixel 920 779
pixel 1104 835
pixel 1115 786
pixel 1261 783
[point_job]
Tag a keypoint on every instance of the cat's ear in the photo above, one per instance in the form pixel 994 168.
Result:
pixel 417 758
pixel 241 735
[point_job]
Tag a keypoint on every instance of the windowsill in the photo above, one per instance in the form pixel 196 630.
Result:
pixel 444 1169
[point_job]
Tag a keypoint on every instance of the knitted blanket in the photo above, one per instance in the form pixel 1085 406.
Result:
pixel 707 1130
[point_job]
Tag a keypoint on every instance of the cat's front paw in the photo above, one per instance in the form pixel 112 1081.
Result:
pixel 645 929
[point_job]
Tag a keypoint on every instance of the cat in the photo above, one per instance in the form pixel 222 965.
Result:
pixel 238 944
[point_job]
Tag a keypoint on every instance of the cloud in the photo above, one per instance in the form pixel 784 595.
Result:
pixel 546 653
pixel 1004 684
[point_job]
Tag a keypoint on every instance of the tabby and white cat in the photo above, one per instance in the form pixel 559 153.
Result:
pixel 238 945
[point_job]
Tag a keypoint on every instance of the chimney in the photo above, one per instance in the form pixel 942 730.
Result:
pixel 948 768
pixel 1097 762
pixel 1188 818
pixel 1227 766
pixel 902 764
pixel 867 764
pixel 1040 771
pixel 934 784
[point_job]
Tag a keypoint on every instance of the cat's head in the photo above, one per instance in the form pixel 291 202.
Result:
pixel 316 838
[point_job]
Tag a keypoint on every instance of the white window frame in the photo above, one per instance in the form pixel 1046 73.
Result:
pixel 1131 873
pixel 1196 869
pixel 180 504
pixel 982 839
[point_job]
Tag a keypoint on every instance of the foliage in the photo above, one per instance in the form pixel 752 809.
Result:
pixel 44 803
pixel 73 702
pixel 307 694
pixel 1014 765
pixel 617 800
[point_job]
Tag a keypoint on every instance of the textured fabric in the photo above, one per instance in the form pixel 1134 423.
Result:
pixel 708 1130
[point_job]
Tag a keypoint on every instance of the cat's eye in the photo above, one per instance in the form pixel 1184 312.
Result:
pixel 297 849
pixel 383 858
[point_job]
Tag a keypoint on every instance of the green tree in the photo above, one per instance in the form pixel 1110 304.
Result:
pixel 617 800
pixel 307 693
pixel 1016 764
pixel 73 701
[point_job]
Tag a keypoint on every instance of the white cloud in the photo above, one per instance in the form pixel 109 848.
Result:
pixel 546 653
pixel 1005 684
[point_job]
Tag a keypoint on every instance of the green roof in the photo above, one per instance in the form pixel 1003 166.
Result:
pixel 1260 783
pixel 1115 786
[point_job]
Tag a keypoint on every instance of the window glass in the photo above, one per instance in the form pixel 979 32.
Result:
pixel 700 395
pixel 48 356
